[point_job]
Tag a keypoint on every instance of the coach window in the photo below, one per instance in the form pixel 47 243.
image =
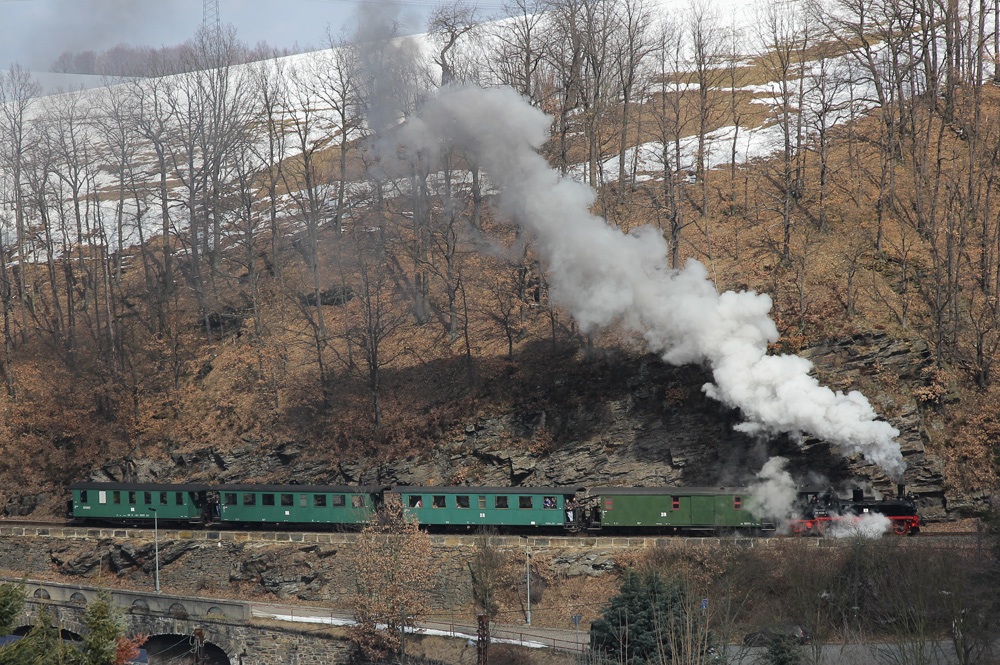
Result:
pixel 116 496
pixel 549 503
pixel 249 499
pixel 303 500
pixel 338 501
pixel 83 496
pixel 287 500
pixel 131 497
pixel 737 503
pixel 524 502
pixel 462 501
pixel 482 503
pixel 437 501
pixel 163 498
pixel 675 503
pixel 179 498
pixel 500 502
pixel 102 496
pixel 319 500
pixel 147 498
pixel 357 502
pixel 416 501
pixel 229 498
pixel 267 499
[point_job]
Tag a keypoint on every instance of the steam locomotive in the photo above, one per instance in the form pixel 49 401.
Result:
pixel 819 511
pixel 613 510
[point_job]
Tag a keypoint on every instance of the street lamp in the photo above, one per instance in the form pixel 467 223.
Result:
pixel 156 551
pixel 527 577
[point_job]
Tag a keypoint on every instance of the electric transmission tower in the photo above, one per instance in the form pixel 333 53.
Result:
pixel 211 15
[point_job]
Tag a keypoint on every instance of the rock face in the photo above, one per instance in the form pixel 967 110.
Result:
pixel 617 419
pixel 636 421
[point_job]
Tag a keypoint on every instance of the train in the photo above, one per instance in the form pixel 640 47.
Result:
pixel 612 510
pixel 819 511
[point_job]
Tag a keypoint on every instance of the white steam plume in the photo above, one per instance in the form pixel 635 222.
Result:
pixel 869 525
pixel 605 277
pixel 774 492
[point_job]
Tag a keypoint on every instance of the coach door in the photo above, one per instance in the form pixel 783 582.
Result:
pixel 702 511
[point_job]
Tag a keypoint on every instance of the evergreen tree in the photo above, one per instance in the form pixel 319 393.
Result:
pixel 783 650
pixel 652 621
pixel 11 604
pixel 104 641
pixel 43 645
pixel 105 627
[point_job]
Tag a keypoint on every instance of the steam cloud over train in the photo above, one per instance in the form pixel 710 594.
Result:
pixel 654 510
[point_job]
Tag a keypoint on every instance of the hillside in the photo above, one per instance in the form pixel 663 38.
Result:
pixel 310 269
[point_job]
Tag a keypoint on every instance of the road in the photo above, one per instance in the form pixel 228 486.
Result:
pixel 530 636
pixel 935 653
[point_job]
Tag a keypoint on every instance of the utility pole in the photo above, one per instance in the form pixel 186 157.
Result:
pixel 210 15
pixel 483 641
pixel 527 578
pixel 156 550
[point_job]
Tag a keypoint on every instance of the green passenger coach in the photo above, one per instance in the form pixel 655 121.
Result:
pixel 296 504
pixel 680 509
pixel 138 503
pixel 485 506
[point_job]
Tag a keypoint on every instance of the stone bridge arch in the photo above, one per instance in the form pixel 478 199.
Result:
pixel 222 628
pixel 170 638
pixel 212 628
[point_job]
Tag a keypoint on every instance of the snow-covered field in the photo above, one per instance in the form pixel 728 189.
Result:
pixel 302 84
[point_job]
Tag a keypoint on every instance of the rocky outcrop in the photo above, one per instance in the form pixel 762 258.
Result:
pixel 612 418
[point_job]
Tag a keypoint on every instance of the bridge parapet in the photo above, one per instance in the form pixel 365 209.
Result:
pixel 223 628
pixel 136 602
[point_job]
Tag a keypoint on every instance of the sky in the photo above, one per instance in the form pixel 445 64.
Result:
pixel 34 32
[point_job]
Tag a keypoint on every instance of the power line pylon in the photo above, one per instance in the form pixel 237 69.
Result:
pixel 210 17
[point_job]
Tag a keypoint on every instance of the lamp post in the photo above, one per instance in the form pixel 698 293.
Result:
pixel 527 577
pixel 156 551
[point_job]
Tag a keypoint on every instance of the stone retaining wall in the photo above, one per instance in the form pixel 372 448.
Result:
pixel 317 568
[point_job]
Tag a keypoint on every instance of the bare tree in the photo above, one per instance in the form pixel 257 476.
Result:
pixel 633 45
pixel 670 113
pixel 378 329
pixel 520 51
pixel 708 48
pixel 18 91
pixel 490 571
pixel 601 31
pixel 309 187
pixel 446 26
pixel 390 572
pixel 502 304
pixel 269 81
pixel 564 35
pixel 784 37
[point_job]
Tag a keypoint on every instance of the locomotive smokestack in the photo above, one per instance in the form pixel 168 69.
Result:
pixel 900 490
pixel 857 495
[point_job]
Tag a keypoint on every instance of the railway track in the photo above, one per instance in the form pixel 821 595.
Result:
pixel 64 528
